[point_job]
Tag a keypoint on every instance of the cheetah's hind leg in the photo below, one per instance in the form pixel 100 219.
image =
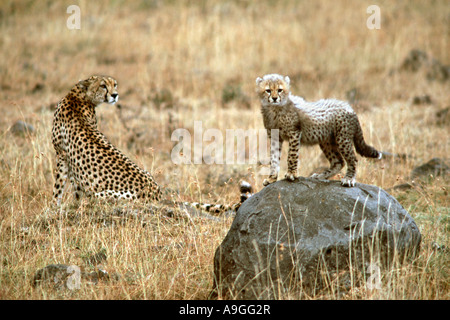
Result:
pixel 334 157
pixel 346 149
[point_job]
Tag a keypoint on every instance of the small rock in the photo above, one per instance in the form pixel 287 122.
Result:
pixel 424 99
pixel 437 71
pixel 443 116
pixel 434 69
pixel 433 168
pixel 62 276
pixel 37 87
pixel 21 128
pixel 56 274
pixel 414 60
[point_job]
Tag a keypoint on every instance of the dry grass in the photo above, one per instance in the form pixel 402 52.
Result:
pixel 176 63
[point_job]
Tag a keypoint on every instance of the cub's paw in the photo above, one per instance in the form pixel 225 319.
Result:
pixel 290 176
pixel 269 180
pixel 348 182
pixel 319 176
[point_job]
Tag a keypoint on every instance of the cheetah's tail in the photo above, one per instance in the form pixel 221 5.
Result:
pixel 245 189
pixel 362 147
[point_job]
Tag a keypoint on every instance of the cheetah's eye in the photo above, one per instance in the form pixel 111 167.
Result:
pixel 103 86
pixel 268 90
pixel 280 90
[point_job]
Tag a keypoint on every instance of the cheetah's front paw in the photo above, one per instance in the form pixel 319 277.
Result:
pixel 291 176
pixel 348 182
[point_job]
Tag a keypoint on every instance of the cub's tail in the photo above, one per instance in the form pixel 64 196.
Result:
pixel 361 146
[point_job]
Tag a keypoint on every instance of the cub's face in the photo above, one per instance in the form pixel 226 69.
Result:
pixel 100 89
pixel 273 89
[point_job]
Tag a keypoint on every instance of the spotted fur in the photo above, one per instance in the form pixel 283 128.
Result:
pixel 86 158
pixel 330 123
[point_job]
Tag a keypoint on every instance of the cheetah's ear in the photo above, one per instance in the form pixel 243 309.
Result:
pixel 287 80
pixel 258 81
pixel 84 83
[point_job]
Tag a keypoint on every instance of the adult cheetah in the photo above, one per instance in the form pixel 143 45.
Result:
pixel 85 156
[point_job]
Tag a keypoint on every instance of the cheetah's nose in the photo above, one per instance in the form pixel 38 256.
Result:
pixel 274 99
pixel 114 95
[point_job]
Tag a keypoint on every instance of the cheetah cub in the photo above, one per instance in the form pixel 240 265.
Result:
pixel 330 123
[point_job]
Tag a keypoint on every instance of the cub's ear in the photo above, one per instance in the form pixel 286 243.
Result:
pixel 287 80
pixel 258 80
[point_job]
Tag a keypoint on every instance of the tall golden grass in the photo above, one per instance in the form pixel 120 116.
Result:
pixel 175 63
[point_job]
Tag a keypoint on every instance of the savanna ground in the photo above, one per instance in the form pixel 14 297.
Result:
pixel 177 62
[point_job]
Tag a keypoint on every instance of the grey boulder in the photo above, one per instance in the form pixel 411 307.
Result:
pixel 301 236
